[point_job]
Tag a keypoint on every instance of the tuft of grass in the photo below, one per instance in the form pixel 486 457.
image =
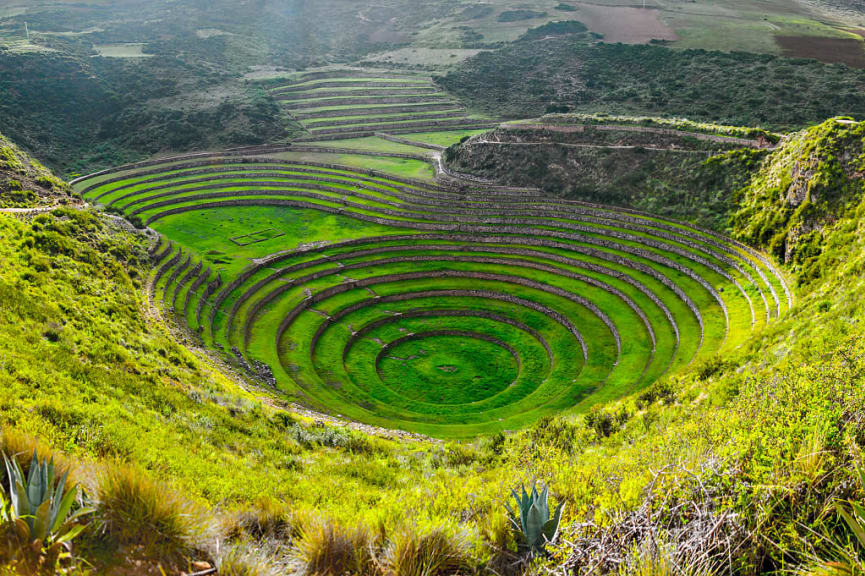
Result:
pixel 325 548
pixel 245 560
pixel 266 518
pixel 659 559
pixel 21 447
pixel 148 520
pixel 414 553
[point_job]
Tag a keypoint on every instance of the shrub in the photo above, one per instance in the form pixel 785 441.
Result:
pixel 661 391
pixel 149 520
pixel 558 433
pixel 330 437
pixel 605 423
pixel 136 221
pixel 499 535
pixel 327 549
pixel 410 553
pixel 710 367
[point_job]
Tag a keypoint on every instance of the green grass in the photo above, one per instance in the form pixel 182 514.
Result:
pixel 371 143
pixel 442 138
pixel 368 119
pixel 448 369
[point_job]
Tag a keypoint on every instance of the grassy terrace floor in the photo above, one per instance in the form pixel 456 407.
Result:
pixel 350 103
pixel 360 287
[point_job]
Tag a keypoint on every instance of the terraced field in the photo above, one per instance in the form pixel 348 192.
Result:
pixel 339 104
pixel 445 310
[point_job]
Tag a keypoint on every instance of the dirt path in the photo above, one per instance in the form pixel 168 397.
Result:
pixel 599 146
pixel 38 209
pixel 720 139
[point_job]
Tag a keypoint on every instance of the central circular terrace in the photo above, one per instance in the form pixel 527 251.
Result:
pixel 450 312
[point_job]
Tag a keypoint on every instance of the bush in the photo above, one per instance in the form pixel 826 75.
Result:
pixel 661 391
pixel 557 433
pixel 710 367
pixel 605 423
pixel 267 518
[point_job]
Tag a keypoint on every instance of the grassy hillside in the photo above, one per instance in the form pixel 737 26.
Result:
pixel 730 466
pixel 557 70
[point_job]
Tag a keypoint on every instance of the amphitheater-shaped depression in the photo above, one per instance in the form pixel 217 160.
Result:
pixel 408 304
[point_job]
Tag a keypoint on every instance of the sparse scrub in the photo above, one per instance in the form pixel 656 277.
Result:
pixel 265 518
pixel 243 559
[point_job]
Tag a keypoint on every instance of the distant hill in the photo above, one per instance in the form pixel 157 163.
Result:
pixel 565 72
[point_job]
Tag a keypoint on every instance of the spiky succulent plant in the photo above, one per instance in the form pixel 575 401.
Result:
pixel 531 519
pixel 39 510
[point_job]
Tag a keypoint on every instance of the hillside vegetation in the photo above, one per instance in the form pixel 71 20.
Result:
pixel 679 170
pixel 556 69
pixel 732 465
pixel 816 178
pixel 24 182
pixel 78 111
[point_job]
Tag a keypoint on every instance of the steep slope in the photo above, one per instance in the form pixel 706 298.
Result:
pixel 24 182
pixel 813 182
pixel 669 168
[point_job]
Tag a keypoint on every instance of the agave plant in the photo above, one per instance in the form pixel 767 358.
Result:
pixel 38 513
pixel 531 520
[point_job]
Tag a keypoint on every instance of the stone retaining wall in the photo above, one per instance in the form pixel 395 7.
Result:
pixel 318 123
pixel 428 313
pixel 310 95
pixel 692 256
pixel 347 84
pixel 164 268
pixel 398 140
pixel 178 270
pixel 195 270
pixel 487 294
pixel 201 279
pixel 208 291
